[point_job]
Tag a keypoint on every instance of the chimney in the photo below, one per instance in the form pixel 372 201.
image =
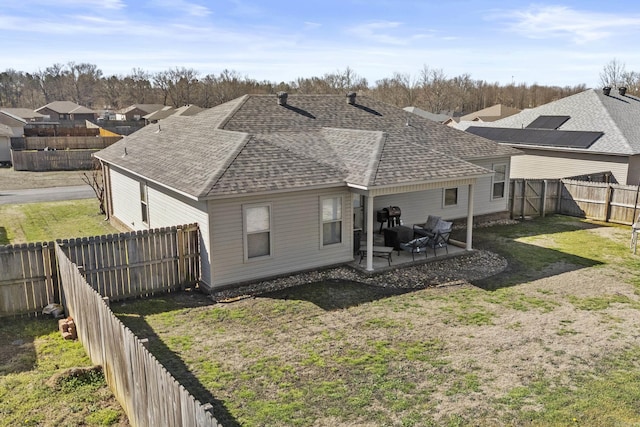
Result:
pixel 282 98
pixel 606 90
pixel 622 90
pixel 351 98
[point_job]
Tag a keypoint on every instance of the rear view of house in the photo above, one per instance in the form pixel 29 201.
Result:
pixel 277 184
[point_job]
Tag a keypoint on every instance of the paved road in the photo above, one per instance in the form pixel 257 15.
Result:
pixel 51 194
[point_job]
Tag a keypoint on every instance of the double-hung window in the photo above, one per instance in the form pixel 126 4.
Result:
pixel 499 181
pixel 144 204
pixel 257 230
pixel 331 220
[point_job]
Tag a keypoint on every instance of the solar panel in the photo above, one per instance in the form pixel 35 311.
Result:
pixel 548 122
pixel 543 137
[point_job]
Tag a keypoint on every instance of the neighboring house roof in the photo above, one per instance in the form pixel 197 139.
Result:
pixel 23 113
pixel 615 116
pixel 147 108
pixel 11 119
pixel 440 118
pixel 253 144
pixel 166 111
pixel 490 114
pixel 66 107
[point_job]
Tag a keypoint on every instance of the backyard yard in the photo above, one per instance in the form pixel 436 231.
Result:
pixel 552 340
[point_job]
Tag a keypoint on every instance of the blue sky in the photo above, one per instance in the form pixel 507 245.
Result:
pixel 550 43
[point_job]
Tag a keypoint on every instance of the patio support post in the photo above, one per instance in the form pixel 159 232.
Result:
pixel 369 233
pixel 469 245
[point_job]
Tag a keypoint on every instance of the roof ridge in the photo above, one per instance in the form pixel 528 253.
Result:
pixel 213 179
pixel 376 158
pixel 614 122
pixel 243 100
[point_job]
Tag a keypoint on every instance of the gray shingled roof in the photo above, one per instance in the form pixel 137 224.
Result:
pixel 252 144
pixel 615 115
pixel 67 107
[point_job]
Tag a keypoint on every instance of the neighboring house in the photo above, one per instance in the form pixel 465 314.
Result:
pixel 489 114
pixel 277 184
pixel 591 132
pixel 167 111
pixel 440 118
pixel 67 110
pixel 5 144
pixel 15 123
pixel 137 111
pixel 29 116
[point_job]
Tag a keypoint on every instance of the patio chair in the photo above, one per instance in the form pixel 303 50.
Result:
pixel 426 228
pixel 440 238
pixel 416 246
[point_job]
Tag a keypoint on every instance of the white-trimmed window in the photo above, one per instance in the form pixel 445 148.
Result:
pixel 331 220
pixel 257 231
pixel 144 204
pixel 499 181
pixel 450 197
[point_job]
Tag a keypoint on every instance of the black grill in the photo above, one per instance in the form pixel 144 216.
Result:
pixel 390 215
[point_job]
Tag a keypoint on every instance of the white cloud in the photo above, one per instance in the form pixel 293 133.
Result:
pixel 382 32
pixel 540 22
pixel 188 8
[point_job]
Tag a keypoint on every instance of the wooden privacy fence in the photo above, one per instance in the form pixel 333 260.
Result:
pixel 118 266
pixel 41 161
pixel 28 278
pixel 138 263
pixel 594 200
pixel 63 142
pixel 70 130
pixel 149 394
pixel 533 197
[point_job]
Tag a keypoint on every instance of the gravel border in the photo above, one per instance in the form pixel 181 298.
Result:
pixel 456 269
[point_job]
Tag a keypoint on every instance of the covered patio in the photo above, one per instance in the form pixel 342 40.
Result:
pixel 371 260
pixel 402 258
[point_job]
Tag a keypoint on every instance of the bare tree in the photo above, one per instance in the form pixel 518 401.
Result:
pixel 95 181
pixel 613 74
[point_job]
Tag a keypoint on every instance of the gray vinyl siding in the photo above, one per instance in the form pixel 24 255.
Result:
pixel 537 164
pixel 295 222
pixel 166 209
pixel 415 207
pixel 125 195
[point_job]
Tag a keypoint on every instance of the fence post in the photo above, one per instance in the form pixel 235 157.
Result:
pixel 543 203
pixel 182 271
pixel 559 204
pixel 512 190
pixel 607 203
pixel 524 195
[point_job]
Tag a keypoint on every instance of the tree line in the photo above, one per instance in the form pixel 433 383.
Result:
pixel 430 89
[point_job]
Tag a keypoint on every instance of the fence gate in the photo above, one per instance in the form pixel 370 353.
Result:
pixel 528 198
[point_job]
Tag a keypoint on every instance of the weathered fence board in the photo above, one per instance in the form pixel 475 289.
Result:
pixel 118 266
pixel 586 199
pixel 28 281
pixel 40 161
pixel 63 142
pixel 148 393
pixel 533 197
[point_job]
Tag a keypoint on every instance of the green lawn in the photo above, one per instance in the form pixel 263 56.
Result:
pixel 43 222
pixel 549 342
pixel 34 387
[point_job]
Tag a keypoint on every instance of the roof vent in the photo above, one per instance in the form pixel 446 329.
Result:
pixel 622 90
pixel 282 98
pixel 606 90
pixel 351 98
